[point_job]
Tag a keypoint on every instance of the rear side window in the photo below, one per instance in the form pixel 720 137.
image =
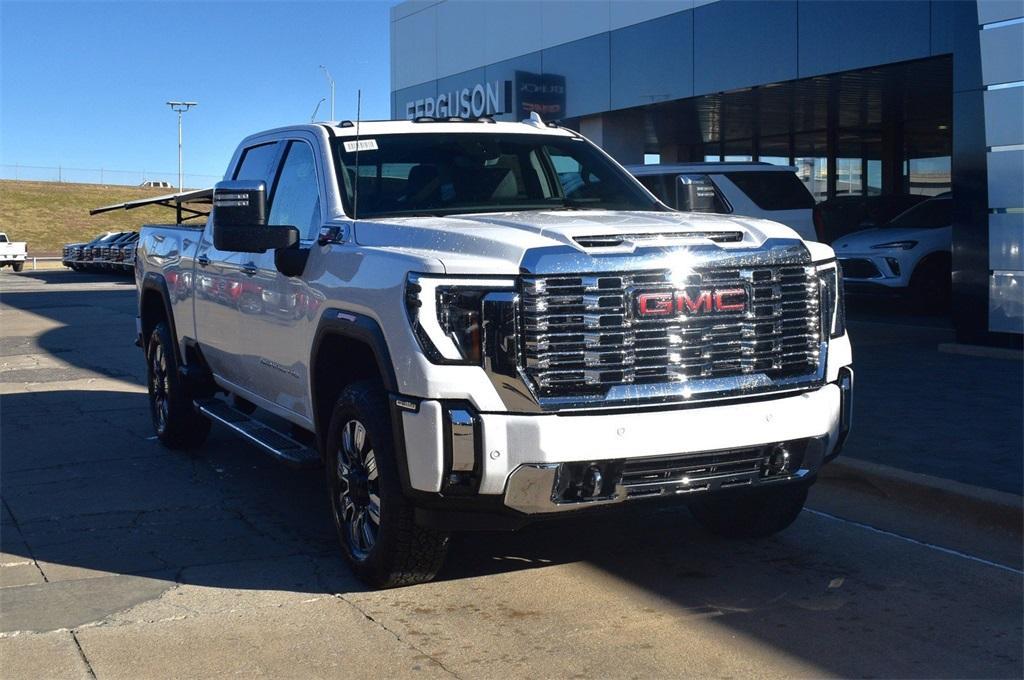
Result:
pixel 256 161
pixel 773 190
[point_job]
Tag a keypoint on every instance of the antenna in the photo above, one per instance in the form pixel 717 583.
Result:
pixel 355 192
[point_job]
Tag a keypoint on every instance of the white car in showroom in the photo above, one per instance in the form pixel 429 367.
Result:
pixel 911 254
pixel 749 189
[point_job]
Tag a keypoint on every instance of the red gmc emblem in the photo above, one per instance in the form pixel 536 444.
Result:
pixel 691 301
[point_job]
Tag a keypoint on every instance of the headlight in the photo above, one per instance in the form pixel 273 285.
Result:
pixel 895 245
pixel 446 315
pixel 833 305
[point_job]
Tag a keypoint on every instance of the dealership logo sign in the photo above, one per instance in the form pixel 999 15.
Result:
pixel 482 99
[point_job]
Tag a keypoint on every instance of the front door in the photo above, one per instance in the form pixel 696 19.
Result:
pixel 222 294
pixel 284 311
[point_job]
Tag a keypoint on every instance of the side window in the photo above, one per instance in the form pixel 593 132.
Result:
pixel 256 162
pixel 296 198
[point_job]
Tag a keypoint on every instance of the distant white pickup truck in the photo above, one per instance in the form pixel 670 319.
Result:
pixel 12 253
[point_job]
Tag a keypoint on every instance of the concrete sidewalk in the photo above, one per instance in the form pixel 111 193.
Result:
pixel 945 415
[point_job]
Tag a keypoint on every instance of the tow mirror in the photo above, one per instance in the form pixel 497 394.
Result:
pixel 240 219
pixel 695 193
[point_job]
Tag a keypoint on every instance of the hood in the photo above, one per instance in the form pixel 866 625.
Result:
pixel 860 241
pixel 496 242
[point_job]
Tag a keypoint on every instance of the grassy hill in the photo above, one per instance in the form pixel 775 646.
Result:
pixel 48 214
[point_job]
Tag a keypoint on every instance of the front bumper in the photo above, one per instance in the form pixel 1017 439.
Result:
pixel 527 463
pixel 881 270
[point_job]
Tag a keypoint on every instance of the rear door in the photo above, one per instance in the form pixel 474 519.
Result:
pixel 223 294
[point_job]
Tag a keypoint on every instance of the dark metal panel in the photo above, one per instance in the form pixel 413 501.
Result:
pixel 585 66
pixel 636 78
pixel 840 35
pixel 955 31
pixel 970 218
pixel 737 43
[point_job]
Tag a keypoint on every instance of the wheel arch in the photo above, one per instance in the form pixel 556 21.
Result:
pixel 347 347
pixel 155 306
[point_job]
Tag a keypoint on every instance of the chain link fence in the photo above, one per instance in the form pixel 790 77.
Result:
pixel 40 173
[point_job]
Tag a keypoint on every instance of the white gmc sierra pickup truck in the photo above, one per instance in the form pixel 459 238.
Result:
pixel 473 325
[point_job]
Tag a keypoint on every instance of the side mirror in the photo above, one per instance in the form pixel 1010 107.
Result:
pixel 695 193
pixel 240 219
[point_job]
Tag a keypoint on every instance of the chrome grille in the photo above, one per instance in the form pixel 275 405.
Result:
pixel 693 472
pixel 580 335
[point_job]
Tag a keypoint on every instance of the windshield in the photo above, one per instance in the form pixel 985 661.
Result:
pixel 931 214
pixel 451 173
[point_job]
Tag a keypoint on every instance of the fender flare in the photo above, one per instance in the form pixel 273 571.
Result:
pixel 354 326
pixel 153 281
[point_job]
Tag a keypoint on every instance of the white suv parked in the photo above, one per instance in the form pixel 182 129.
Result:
pixel 771 192
pixel 911 253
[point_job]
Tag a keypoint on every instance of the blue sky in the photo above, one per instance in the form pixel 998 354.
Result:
pixel 83 84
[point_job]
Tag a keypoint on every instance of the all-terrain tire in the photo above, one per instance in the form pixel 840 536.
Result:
pixel 178 425
pixel 362 477
pixel 758 514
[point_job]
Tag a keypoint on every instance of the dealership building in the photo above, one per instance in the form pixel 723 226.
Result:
pixel 864 98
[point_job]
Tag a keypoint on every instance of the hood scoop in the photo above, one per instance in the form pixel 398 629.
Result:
pixel 616 240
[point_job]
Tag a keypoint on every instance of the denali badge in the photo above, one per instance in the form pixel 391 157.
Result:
pixel 691 302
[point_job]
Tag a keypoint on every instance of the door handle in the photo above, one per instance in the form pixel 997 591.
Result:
pixel 203 260
pixel 249 269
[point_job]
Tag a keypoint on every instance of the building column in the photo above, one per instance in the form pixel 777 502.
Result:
pixel 622 134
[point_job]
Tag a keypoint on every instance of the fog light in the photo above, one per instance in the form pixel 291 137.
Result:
pixel 778 460
pixel 591 486
pixel 586 481
pixel 894 265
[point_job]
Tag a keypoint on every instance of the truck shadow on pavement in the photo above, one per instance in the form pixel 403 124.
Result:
pixel 88 494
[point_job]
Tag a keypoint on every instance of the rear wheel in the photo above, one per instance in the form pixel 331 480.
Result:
pixel 379 536
pixel 755 515
pixel 178 425
pixel 18 266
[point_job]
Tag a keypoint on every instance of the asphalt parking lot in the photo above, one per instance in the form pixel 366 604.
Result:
pixel 122 559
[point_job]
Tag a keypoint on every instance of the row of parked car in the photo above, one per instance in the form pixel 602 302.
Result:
pixel 112 251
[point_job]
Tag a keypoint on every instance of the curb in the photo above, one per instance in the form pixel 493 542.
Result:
pixel 981 351
pixel 941 496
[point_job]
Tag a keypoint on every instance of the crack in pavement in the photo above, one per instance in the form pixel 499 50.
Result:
pixel 341 596
pixel 81 653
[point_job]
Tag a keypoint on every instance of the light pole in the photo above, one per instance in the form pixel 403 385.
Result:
pixel 180 108
pixel 327 74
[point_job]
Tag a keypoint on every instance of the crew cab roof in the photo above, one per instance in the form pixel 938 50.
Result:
pixel 371 128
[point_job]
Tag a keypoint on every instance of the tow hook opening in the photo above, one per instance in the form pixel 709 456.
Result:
pixel 588 481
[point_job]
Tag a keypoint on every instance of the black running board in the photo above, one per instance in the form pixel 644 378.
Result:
pixel 274 442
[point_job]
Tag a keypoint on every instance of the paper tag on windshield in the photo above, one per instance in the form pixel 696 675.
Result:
pixel 361 145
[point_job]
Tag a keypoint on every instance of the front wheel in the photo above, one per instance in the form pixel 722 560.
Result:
pixel 379 536
pixel 758 514
pixel 177 424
